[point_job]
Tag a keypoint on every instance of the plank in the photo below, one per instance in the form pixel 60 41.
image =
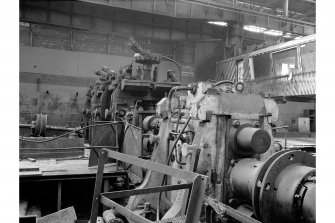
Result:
pixel 67 215
pixel 63 167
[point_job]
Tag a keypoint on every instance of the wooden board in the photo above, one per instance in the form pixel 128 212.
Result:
pixel 67 215
pixel 44 153
pixel 54 167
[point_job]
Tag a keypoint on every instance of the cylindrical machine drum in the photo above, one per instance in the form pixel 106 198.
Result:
pixel 253 140
pixel 150 122
pixel 242 177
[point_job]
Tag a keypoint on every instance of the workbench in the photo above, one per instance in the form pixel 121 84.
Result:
pixel 60 170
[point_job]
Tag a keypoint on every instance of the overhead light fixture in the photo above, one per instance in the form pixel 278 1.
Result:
pixel 218 23
pixel 273 32
pixel 256 29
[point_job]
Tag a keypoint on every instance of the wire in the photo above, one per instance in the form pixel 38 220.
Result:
pixel 179 68
pixel 168 162
pixel 68 133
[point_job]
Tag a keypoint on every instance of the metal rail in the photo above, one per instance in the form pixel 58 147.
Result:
pixel 197 188
pixel 222 209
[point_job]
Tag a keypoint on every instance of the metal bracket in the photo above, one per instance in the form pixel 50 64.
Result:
pixel 196 186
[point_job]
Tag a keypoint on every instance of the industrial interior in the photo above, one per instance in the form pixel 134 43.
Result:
pixel 139 111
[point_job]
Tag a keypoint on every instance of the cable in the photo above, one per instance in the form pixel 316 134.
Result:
pixel 68 133
pixel 167 163
pixel 179 68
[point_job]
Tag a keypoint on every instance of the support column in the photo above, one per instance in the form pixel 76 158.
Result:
pixel 285 8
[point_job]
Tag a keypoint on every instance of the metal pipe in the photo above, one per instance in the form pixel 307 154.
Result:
pixel 51 127
pixel 172 60
pixel 175 89
pixel 68 133
pixel 223 82
pixel 285 8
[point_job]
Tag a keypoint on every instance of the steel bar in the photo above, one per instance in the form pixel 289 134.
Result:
pixel 68 133
pixel 51 127
pixel 196 200
pixel 123 211
pixel 147 164
pixel 97 187
pixel 128 193
pixel 27 178
pixel 105 190
pixel 222 209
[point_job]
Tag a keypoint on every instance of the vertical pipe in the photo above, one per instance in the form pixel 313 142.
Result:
pixel 285 8
pixel 59 195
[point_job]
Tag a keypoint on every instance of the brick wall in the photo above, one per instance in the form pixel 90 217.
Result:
pixel 73 39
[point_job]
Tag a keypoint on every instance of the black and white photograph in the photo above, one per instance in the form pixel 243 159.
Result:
pixel 145 111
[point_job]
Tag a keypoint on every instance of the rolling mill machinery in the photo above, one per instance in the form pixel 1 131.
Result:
pixel 213 130
pixel 128 97
pixel 135 88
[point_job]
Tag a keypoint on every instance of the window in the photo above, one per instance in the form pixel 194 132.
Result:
pixel 307 52
pixel 262 65
pixel 285 62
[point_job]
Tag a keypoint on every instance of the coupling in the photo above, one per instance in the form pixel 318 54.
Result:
pixel 280 189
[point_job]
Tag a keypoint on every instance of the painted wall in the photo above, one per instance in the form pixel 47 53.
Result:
pixel 57 65
pixel 289 113
pixel 55 82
